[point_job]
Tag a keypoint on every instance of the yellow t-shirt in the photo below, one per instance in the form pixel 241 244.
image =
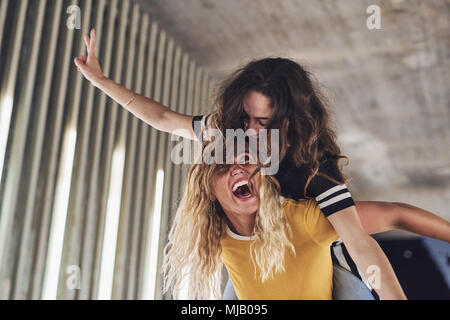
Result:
pixel 307 275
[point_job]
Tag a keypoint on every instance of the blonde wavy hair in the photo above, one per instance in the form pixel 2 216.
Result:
pixel 194 242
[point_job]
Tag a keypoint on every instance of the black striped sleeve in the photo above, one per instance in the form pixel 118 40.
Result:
pixel 330 196
pixel 335 199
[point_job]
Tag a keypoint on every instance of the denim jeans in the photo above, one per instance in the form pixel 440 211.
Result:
pixel 346 286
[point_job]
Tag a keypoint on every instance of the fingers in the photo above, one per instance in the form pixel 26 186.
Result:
pixel 80 61
pixel 86 41
pixel 90 45
pixel 76 63
pixel 90 42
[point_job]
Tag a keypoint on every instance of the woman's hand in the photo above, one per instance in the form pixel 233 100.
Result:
pixel 89 66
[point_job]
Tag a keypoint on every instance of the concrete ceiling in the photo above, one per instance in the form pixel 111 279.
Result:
pixel 388 87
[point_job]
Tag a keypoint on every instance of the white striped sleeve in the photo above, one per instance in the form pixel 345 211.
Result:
pixel 335 199
pixel 330 196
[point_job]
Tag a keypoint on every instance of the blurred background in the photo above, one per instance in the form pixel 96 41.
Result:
pixel 87 190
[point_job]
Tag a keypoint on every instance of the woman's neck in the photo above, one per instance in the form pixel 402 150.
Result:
pixel 240 224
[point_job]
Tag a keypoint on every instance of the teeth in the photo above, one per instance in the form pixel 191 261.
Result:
pixel 240 183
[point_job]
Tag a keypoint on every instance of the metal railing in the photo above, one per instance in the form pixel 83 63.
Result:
pixel 64 144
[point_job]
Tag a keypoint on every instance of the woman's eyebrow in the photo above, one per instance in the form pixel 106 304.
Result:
pixel 262 118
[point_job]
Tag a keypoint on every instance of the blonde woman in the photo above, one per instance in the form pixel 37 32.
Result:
pixel 272 247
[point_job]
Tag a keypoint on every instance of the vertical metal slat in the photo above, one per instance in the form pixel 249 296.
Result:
pixel 148 182
pixel 94 195
pixel 152 169
pixel 24 269
pixel 127 187
pixel 64 177
pixel 108 147
pixel 141 143
pixel 76 210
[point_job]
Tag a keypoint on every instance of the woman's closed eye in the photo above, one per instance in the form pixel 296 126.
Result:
pixel 262 123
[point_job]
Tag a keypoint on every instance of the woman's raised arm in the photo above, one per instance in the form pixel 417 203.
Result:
pixel 381 216
pixel 154 113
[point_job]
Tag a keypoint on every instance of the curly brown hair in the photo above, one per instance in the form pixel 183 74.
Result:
pixel 308 139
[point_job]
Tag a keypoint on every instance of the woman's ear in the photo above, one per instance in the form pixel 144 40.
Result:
pixel 213 198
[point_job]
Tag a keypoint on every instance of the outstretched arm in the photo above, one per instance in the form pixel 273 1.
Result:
pixel 150 111
pixel 153 113
pixel 366 252
pixel 380 216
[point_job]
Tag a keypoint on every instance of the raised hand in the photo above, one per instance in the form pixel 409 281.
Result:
pixel 89 65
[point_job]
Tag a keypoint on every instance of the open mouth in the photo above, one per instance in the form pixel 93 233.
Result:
pixel 241 190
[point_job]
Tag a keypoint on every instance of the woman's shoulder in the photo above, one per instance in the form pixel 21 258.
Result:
pixel 306 217
pixel 299 208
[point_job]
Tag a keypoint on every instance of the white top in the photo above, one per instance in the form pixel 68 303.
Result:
pixel 237 236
